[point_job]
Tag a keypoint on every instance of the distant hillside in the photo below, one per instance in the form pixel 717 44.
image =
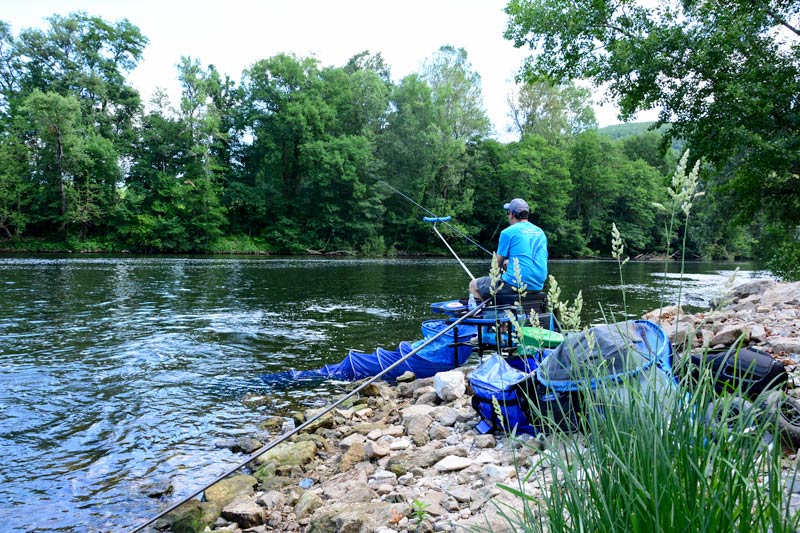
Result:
pixel 629 129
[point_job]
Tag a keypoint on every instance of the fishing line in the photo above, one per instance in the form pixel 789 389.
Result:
pixel 331 407
pixel 450 226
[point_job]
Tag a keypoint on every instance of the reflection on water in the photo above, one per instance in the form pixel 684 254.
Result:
pixel 121 373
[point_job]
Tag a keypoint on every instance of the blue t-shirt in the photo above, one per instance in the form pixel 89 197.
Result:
pixel 527 243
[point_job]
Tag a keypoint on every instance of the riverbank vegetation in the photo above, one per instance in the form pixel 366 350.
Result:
pixel 299 157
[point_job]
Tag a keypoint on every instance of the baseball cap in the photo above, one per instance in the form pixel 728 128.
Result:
pixel 516 206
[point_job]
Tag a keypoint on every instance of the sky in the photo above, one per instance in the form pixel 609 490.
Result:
pixel 233 34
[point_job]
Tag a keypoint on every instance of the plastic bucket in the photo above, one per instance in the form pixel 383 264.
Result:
pixel 535 338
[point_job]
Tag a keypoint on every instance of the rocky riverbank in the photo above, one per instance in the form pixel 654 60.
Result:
pixel 406 457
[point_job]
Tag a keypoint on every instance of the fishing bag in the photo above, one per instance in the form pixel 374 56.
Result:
pixel 496 379
pixel 752 369
pixel 547 409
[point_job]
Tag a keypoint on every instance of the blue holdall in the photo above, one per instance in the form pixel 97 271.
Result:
pixel 496 379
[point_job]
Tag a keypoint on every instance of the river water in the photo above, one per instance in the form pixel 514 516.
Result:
pixel 120 374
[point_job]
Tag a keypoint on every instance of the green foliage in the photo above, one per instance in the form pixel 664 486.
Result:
pixel 554 112
pixel 784 243
pixel 419 510
pixel 725 76
pixel 15 191
pixel 293 157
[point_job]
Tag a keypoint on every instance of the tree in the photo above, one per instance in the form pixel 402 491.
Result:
pixel 56 144
pixel 15 188
pixel 552 111
pixel 88 58
pixel 539 172
pixel 456 91
pixel 725 75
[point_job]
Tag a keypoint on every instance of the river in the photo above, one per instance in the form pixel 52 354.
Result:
pixel 121 373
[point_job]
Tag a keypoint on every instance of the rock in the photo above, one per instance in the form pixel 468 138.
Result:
pixel 662 313
pixel 428 398
pixel 785 344
pixel 356 518
pixel 307 504
pixel 728 335
pixel 758 333
pixel 417 428
pixel 416 410
pixel 245 512
pixel 273 423
pixel 290 454
pixel 400 444
pixel 383 476
pixel 324 421
pixel 353 491
pixel 406 377
pixel 446 416
pixel 784 293
pixel 679 333
pixel 461 493
pixel 437 432
pixel 752 287
pixel 452 463
pixel 498 473
pixel 376 449
pixel 241 445
pixel 194 515
pixel 271 500
pixel 485 441
pixel 434 500
pixel 354 454
pixel 375 390
pixel 450 385
pixel 225 491
pixel 355 438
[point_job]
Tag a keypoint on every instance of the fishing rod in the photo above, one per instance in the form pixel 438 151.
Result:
pixel 267 447
pixel 435 221
pixel 433 215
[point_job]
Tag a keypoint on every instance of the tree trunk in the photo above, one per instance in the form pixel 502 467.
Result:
pixel 62 188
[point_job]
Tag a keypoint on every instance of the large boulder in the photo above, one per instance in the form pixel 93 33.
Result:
pixel 225 491
pixel 245 512
pixel 356 517
pixel 290 454
pixel 193 516
pixel 450 385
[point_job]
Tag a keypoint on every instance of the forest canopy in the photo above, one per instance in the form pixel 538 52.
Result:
pixel 298 157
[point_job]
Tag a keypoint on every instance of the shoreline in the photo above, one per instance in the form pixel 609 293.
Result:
pixel 406 457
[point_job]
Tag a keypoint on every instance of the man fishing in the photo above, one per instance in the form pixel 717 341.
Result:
pixel 520 243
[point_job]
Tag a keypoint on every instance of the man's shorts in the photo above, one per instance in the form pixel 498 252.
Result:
pixel 484 285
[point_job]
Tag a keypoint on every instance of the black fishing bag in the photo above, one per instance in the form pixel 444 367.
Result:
pixel 752 369
pixel 548 409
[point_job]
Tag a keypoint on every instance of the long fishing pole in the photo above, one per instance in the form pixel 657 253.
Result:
pixel 435 221
pixel 432 214
pixel 308 422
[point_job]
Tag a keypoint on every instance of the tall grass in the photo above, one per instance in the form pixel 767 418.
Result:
pixel 651 460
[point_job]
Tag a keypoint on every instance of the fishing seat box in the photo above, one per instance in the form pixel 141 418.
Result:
pixel 531 302
pixel 534 304
pixel 752 369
